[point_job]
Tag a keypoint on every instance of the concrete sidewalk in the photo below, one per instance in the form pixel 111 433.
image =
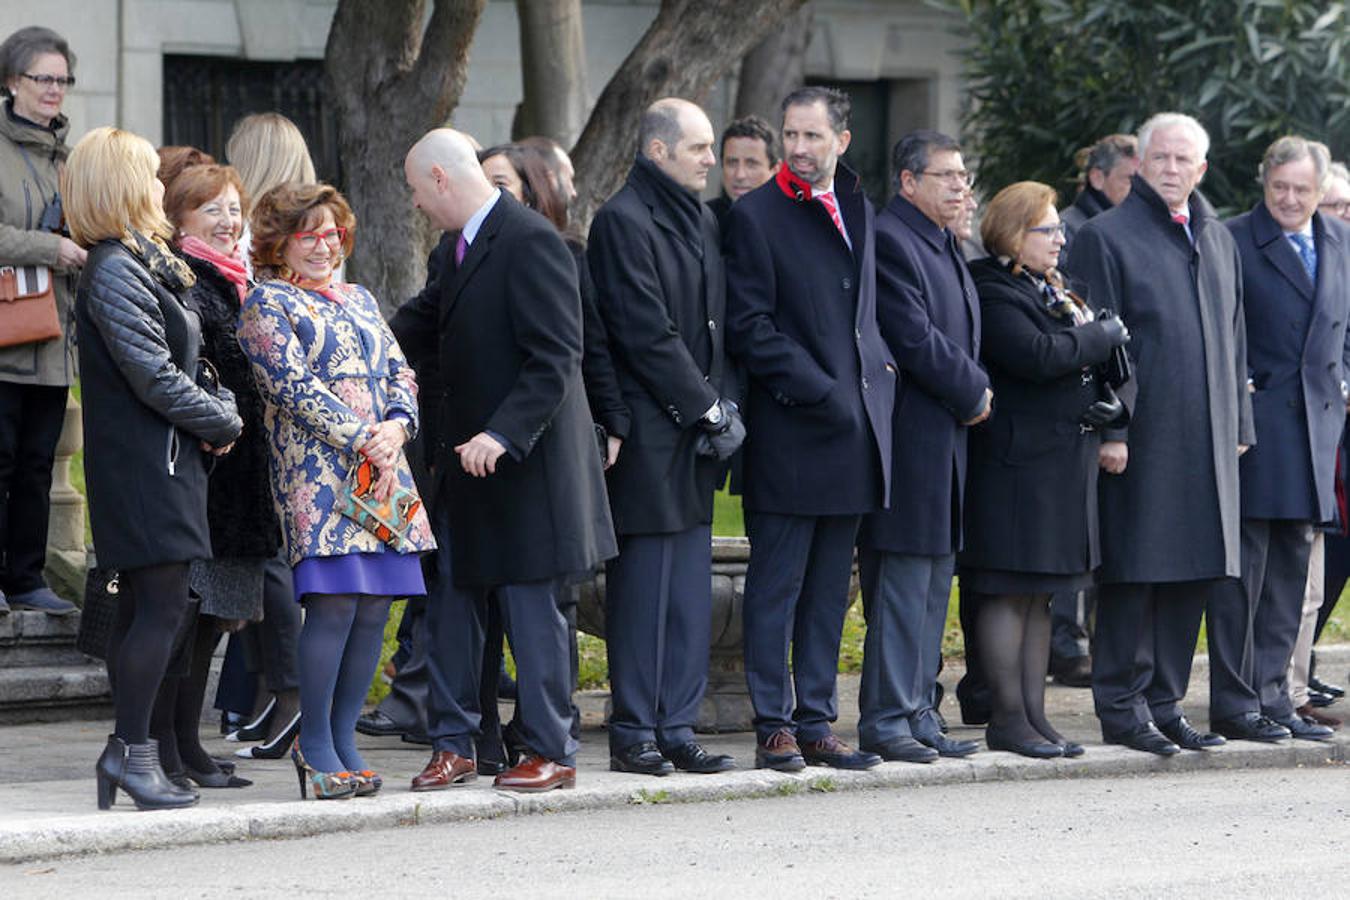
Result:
pixel 47 802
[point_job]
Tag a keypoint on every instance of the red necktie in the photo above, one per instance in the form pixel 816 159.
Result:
pixel 1180 218
pixel 827 200
pixel 461 247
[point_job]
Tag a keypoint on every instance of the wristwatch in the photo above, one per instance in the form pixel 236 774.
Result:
pixel 714 415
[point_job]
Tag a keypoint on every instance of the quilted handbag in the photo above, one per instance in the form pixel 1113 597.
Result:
pixel 99 613
pixel 390 519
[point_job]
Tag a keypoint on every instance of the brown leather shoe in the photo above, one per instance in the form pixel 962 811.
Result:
pixel 780 752
pixel 445 770
pixel 535 774
pixel 1313 714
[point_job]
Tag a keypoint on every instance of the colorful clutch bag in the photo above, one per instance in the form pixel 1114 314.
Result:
pixel 389 520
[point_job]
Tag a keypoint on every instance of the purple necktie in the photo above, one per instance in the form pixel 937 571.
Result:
pixel 461 247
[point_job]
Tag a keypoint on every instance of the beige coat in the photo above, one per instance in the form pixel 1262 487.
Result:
pixel 22 199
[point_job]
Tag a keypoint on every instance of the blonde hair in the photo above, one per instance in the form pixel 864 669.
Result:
pixel 109 187
pixel 1012 211
pixel 267 150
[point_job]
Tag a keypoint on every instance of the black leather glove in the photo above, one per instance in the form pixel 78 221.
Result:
pixel 1104 411
pixel 721 440
pixel 1115 331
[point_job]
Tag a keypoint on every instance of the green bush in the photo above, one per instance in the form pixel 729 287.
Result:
pixel 1045 77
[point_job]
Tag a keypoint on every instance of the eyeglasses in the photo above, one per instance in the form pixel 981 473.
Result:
pixel 967 179
pixel 46 81
pixel 1049 230
pixel 1339 207
pixel 308 240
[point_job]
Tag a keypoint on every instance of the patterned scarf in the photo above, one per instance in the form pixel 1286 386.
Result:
pixel 162 262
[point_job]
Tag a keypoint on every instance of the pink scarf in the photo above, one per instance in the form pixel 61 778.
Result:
pixel 231 268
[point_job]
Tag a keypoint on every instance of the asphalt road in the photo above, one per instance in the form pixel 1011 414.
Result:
pixel 1257 833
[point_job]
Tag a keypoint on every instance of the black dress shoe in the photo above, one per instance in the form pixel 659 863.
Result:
pixel 1186 736
pixel 692 757
pixel 832 752
pixel 421 738
pixel 1320 699
pixel 1145 738
pixel 1072 749
pixel 377 724
pixel 642 758
pixel 945 746
pixel 1251 727
pixel 1035 749
pixel 1305 730
pixel 1323 687
pixel 1073 672
pixel 903 749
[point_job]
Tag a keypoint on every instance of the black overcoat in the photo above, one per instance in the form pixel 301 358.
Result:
pixel 662 295
pixel 1173 515
pixel 507 333
pixel 144 416
pixel 603 393
pixel 1297 361
pixel 1031 492
pixel 929 315
pixel 801 318
pixel 239 504
pixel 1089 203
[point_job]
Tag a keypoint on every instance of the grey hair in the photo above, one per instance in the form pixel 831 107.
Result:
pixel 1338 170
pixel 1174 120
pixel 661 122
pixel 911 153
pixel 21 47
pixel 1291 148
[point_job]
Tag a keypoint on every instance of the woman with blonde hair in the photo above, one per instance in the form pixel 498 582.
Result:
pixel 148 428
pixel 337 390
pixel 1030 523
pixel 268 149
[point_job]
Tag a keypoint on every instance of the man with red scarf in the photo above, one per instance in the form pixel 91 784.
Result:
pixel 801 318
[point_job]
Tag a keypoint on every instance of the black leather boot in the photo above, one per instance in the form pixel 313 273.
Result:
pixel 135 769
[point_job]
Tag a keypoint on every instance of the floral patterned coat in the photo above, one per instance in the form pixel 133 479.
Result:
pixel 327 368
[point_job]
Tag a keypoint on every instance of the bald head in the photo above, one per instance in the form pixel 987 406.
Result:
pixel 677 136
pixel 447 182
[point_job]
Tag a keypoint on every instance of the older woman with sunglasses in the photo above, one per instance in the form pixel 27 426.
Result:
pixel 336 390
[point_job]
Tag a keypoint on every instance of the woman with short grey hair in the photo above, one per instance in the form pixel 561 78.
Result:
pixel 37 353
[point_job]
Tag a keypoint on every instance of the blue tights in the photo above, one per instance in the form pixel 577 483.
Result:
pixel 340 647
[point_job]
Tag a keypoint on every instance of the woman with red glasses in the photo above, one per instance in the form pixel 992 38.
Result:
pixel 337 390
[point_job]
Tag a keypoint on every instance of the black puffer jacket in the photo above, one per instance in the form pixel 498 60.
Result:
pixel 144 415
pixel 239 500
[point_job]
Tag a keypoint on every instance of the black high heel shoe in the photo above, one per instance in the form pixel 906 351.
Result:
pixel 257 729
pixel 135 769
pixel 275 748
pixel 1035 749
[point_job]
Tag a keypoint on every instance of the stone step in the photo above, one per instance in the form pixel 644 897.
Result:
pixel 29 638
pixel 21 655
pixel 54 693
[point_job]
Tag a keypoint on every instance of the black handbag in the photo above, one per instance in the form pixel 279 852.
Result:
pixel 99 615
pixel 1117 369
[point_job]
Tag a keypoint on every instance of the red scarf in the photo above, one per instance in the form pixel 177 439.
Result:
pixel 231 268
pixel 790 184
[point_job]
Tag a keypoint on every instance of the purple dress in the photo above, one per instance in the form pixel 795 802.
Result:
pixel 388 574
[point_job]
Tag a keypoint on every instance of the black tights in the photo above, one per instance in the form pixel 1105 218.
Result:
pixel 1014 643
pixel 153 601
pixel 176 720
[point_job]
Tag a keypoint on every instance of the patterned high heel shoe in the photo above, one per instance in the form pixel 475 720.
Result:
pixel 368 783
pixel 326 785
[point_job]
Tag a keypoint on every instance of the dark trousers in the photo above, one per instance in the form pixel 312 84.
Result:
pixel 972 691
pixel 31 417
pixel 1278 598
pixel 658 615
pixel 456 619
pixel 796 597
pixel 1070 625
pixel 905 602
pixel 1145 643
pixel 1250 628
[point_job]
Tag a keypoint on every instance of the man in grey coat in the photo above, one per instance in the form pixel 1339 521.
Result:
pixel 1170 505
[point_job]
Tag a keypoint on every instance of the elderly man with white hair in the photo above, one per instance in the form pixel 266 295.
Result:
pixel 520 500
pixel 1169 499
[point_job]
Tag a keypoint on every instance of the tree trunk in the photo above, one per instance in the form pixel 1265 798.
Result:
pixel 774 68
pixel 553 69
pixel 391 82
pixel 690 45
